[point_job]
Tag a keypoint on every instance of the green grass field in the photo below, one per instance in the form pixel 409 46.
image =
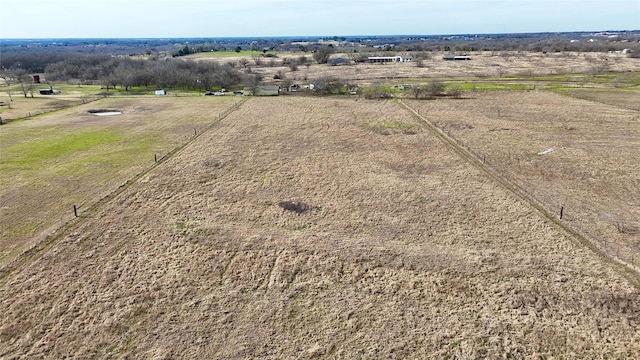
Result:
pixel 34 155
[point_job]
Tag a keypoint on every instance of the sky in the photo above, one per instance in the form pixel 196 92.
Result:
pixel 33 19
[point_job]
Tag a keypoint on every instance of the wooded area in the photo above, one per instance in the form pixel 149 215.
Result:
pixel 136 62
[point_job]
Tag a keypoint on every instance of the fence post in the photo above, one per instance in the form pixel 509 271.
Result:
pixel 561 211
pixel 75 211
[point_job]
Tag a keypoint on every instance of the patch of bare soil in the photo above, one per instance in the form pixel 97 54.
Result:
pixel 404 251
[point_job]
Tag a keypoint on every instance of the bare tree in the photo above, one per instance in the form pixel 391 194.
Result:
pixel 243 62
pixel 418 91
pixel 328 85
pixel 25 81
pixel 434 88
pixel 323 53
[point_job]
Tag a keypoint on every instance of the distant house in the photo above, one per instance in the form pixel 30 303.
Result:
pixel 161 93
pixel 264 90
pixel 389 59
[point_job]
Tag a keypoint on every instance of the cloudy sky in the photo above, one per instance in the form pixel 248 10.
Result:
pixel 254 18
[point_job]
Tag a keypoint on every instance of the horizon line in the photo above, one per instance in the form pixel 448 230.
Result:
pixel 319 36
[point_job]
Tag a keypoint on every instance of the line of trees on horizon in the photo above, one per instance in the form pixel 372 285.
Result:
pixel 126 72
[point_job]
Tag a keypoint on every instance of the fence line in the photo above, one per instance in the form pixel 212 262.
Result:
pixel 48 237
pixel 574 212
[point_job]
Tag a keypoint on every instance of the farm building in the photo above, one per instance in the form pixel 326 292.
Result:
pixel 49 92
pixel 160 92
pixel 458 57
pixel 389 59
pixel 264 90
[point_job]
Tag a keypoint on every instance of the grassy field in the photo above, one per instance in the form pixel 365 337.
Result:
pixel 17 106
pixel 319 227
pixel 591 169
pixel 72 157
pixel 330 227
pixel 624 97
pixel 574 68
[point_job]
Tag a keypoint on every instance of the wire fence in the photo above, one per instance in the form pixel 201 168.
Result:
pixel 45 234
pixel 581 216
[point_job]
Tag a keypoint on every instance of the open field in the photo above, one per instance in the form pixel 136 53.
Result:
pixel 17 106
pixel 394 246
pixel 526 66
pixel 591 170
pixel 621 97
pixel 73 157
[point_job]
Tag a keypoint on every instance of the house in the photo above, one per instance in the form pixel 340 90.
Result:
pixel 264 90
pixel 389 59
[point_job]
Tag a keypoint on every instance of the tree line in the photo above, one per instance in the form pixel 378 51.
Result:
pixel 127 72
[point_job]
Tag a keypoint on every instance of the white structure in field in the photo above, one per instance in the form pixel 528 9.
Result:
pixel 389 59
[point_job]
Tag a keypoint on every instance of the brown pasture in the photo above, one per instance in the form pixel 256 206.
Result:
pixel 482 64
pixel 397 246
pixel 573 155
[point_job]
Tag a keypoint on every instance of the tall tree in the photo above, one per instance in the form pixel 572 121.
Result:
pixel 25 81
pixel 323 53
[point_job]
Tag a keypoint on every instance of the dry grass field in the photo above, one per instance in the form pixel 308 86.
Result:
pixel 73 157
pixel 591 170
pixel 334 228
pixel 16 106
pixel 483 64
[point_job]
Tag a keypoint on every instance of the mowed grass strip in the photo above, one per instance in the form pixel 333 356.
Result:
pixel 34 155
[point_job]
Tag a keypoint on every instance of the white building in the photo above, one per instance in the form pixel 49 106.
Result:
pixel 389 59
